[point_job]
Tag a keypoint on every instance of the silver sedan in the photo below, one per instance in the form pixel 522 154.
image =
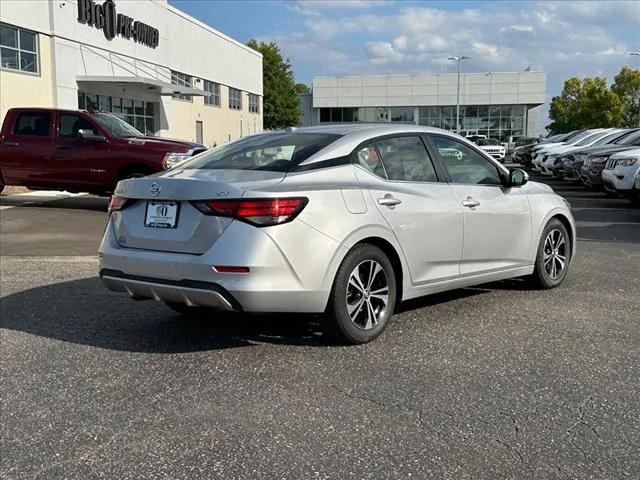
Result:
pixel 347 220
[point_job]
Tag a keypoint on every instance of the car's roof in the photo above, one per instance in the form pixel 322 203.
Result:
pixel 372 129
pixel 633 152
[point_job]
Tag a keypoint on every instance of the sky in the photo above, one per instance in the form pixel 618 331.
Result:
pixel 353 37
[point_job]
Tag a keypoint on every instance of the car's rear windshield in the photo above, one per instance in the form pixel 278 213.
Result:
pixel 275 152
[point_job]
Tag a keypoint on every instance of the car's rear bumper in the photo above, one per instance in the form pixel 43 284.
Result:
pixel 276 281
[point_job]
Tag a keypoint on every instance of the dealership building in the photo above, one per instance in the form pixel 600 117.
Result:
pixel 498 105
pixel 156 67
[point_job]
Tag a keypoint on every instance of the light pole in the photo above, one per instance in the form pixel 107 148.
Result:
pixel 459 61
pixel 637 54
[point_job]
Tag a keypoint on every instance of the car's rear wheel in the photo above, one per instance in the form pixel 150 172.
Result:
pixel 554 255
pixel 363 295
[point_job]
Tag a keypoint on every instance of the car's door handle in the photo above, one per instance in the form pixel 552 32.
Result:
pixel 11 144
pixel 470 202
pixel 389 201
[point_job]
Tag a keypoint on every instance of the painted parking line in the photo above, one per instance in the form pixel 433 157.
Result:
pixel 37 196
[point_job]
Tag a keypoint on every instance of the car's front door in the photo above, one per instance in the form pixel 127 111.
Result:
pixel 422 212
pixel 80 163
pixel 497 220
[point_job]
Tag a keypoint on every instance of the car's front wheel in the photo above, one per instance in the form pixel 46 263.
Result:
pixel 554 255
pixel 363 295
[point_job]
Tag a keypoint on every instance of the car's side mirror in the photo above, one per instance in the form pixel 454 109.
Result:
pixel 86 134
pixel 518 177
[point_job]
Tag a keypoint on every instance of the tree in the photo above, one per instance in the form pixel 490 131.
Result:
pixel 627 86
pixel 302 88
pixel 280 105
pixel 585 103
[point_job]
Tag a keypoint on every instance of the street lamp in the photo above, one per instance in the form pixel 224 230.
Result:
pixel 638 54
pixel 459 61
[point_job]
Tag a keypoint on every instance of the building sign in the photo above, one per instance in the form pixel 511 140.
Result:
pixel 104 17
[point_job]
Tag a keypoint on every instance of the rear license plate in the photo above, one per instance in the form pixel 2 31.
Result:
pixel 161 214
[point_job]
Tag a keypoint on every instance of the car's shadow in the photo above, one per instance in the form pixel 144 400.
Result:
pixel 80 202
pixel 84 312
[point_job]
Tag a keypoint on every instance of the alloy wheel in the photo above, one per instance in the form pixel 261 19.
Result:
pixel 367 294
pixel 555 254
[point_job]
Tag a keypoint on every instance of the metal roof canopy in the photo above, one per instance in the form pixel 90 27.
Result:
pixel 148 85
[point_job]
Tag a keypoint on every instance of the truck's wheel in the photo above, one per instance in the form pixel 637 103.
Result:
pixel 363 295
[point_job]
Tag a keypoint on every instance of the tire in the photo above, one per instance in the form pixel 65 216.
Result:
pixel 554 252
pixel 370 313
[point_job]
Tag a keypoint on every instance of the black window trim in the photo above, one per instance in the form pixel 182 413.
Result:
pixel 503 172
pixel 441 174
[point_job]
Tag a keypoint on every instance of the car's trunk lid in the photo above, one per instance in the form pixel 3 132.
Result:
pixel 191 232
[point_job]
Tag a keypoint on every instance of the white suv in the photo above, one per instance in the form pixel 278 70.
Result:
pixel 621 171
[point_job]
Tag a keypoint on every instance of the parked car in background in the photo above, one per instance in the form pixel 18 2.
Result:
pixel 475 138
pixel 348 220
pixel 620 172
pixel 605 141
pixel 492 147
pixel 545 158
pixel 573 165
pixel 594 162
pixel 562 139
pixel 79 151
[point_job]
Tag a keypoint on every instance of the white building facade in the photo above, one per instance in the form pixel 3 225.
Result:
pixel 156 67
pixel 498 105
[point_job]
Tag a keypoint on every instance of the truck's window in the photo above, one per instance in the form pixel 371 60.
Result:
pixel 69 125
pixel 33 123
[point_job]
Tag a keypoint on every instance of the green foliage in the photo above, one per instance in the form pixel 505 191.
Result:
pixel 585 103
pixel 280 105
pixel 302 88
pixel 627 86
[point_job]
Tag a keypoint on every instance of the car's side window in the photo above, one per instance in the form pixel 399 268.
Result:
pixel 406 158
pixel 70 125
pixel 464 164
pixel 34 124
pixel 369 158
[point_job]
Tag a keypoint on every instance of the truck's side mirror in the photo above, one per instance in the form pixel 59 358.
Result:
pixel 87 134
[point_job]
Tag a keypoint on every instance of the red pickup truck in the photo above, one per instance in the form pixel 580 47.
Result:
pixel 79 151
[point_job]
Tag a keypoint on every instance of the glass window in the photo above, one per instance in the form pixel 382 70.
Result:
pixel 214 91
pixel 104 103
pixel 325 115
pixel 369 158
pixel 183 80
pixel 406 158
pixel 254 103
pixel 275 152
pixel 336 114
pixel 347 114
pixel 235 99
pixel 127 106
pixel 70 125
pixel 464 164
pixel 402 114
pixel 82 105
pixel 138 108
pixel 116 105
pixel 92 102
pixel 18 49
pixel 33 123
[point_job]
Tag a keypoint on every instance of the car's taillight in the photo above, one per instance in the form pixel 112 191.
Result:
pixel 261 212
pixel 118 203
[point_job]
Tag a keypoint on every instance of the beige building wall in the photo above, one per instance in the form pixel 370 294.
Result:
pixel 19 89
pixel 219 124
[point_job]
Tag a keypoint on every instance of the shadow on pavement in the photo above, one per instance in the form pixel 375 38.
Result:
pixel 84 312
pixel 81 202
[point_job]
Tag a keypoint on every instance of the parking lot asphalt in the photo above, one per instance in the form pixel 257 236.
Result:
pixel 490 382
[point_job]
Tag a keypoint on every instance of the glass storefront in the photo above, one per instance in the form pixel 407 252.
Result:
pixel 494 121
pixel 136 113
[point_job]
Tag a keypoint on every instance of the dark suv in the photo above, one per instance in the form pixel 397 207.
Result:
pixel 79 151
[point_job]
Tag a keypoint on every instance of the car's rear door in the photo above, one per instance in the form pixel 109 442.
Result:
pixel 27 149
pixel 497 220
pixel 422 212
